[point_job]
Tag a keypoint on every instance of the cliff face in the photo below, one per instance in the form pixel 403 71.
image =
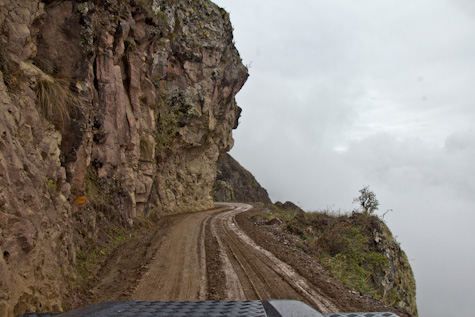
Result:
pixel 110 108
pixel 235 183
pixel 396 283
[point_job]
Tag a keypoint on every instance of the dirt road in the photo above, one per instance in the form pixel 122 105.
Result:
pixel 209 255
pixel 178 270
pixel 200 256
pixel 205 255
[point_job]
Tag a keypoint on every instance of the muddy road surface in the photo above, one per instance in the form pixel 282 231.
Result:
pixel 254 273
pixel 205 255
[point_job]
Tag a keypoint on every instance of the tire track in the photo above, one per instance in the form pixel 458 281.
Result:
pixel 234 289
pixel 252 272
pixel 178 270
pixel 258 271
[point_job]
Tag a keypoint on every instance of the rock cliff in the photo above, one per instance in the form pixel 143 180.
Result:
pixel 108 108
pixel 235 183
pixel 396 283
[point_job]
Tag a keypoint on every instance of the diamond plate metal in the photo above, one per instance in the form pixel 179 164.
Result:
pixel 175 309
pixel 384 314
pixel 199 309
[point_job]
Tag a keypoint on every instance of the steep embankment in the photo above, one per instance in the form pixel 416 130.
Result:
pixel 109 110
pixel 235 183
pixel 358 249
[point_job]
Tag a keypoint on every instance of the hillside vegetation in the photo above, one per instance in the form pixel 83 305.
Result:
pixel 357 248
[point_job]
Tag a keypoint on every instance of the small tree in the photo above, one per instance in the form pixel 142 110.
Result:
pixel 367 200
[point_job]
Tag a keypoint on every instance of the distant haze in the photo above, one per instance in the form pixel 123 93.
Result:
pixel 344 94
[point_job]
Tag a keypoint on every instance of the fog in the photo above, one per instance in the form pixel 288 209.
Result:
pixel 344 94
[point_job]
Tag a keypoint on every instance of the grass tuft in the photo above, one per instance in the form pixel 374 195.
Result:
pixel 56 101
pixel 146 149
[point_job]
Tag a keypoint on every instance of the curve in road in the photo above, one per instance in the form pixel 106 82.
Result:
pixel 179 269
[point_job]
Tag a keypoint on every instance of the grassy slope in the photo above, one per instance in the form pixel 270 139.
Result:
pixel 344 244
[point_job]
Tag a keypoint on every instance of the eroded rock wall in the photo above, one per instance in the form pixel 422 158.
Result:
pixel 117 108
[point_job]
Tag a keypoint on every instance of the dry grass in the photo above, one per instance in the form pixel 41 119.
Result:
pixel 56 101
pixel 146 149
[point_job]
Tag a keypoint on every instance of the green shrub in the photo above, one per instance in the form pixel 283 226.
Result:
pixel 130 44
pixel 162 17
pixel 367 200
pixel 346 253
pixel 51 185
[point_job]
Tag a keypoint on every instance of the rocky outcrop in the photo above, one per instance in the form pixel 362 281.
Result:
pixel 117 108
pixel 223 192
pixel 235 183
pixel 396 282
pixel 289 207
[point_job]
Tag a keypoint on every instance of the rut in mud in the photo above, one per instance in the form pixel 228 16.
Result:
pixel 254 273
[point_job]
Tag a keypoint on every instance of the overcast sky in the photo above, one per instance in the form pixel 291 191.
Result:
pixel 346 93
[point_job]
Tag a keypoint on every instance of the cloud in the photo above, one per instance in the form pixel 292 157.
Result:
pixel 344 94
pixel 412 164
pixel 460 141
pixel 466 6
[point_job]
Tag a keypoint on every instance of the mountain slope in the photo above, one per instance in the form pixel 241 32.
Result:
pixel 235 183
